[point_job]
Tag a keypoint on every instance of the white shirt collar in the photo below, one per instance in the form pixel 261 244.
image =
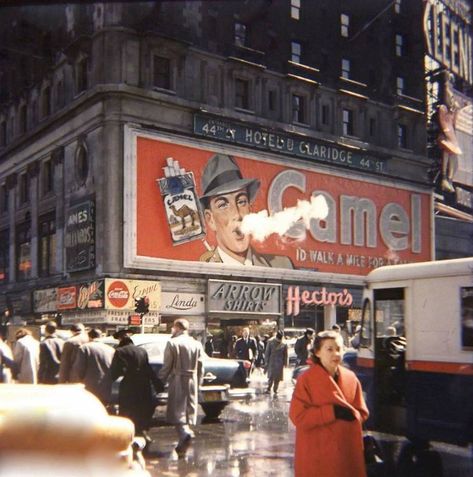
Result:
pixel 229 260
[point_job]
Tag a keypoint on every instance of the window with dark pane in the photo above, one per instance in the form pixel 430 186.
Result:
pixel 46 102
pixel 47 245
pixel 23 119
pixel 4 255
pixel 24 188
pixel 48 176
pixel 82 75
pixel 23 251
pixel 348 126
pixel 240 34
pixel 402 136
pixel 325 114
pixel 82 164
pixel 161 72
pixel 242 92
pixel 298 108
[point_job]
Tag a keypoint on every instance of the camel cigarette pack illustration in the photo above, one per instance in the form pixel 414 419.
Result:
pixel 183 212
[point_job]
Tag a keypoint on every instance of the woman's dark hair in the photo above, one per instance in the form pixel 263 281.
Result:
pixel 319 340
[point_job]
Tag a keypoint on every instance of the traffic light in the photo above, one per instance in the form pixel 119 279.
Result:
pixel 142 305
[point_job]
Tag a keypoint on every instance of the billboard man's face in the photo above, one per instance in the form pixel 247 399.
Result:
pixel 224 217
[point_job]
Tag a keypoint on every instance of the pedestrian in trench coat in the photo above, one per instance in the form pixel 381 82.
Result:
pixel 183 369
pixel 328 410
pixel 276 358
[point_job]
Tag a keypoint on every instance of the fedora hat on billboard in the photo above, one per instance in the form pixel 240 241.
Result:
pixel 222 176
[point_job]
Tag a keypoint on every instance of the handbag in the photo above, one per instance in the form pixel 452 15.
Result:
pixel 374 458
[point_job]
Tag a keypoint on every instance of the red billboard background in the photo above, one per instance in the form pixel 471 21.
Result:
pixel 153 238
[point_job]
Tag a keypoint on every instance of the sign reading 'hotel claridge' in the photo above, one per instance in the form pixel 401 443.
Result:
pixel 243 297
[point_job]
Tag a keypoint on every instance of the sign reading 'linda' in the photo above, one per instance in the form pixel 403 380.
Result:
pixel 259 210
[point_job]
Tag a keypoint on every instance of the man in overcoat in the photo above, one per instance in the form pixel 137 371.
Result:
pixel 50 351
pixel 92 366
pixel 71 346
pixel 183 369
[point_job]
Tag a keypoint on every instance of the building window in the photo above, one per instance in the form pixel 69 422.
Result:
pixel 46 102
pixel 24 189
pixel 47 177
pixel 345 68
pixel 296 9
pixel 4 198
pixel 397 6
pixel 82 164
pixel 82 75
pixel 4 255
pixel 372 127
pixel 240 34
pixel 402 136
pixel 60 94
pixel 3 133
pixel 47 246
pixel 161 72
pixel 348 122
pixel 344 24
pixel 325 114
pixel 272 98
pixel 298 109
pixel 296 51
pixel 34 112
pixel 23 119
pixel 399 45
pixel 242 93
pixel 23 251
pixel 400 85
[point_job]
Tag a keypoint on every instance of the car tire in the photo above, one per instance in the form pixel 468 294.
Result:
pixel 213 410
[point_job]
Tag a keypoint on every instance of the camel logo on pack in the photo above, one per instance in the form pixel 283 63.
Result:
pixel 182 206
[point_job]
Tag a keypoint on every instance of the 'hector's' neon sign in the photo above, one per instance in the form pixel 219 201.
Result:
pixel 317 297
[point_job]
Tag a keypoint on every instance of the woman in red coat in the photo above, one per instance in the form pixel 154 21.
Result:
pixel 328 410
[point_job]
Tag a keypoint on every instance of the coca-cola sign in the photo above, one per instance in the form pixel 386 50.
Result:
pixel 120 294
pixel 66 298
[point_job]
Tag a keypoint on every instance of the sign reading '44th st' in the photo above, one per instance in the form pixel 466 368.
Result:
pixel 286 143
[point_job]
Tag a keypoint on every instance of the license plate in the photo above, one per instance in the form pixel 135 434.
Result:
pixel 212 396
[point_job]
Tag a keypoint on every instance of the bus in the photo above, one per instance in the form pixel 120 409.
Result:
pixel 415 359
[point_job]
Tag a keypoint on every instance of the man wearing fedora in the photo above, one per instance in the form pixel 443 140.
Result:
pixel 226 199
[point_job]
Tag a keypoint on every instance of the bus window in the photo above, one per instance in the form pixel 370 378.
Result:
pixel 366 327
pixel 389 309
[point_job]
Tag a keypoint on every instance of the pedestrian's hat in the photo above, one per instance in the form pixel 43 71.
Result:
pixel 222 175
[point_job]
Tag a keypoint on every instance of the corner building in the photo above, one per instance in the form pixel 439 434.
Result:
pixel 107 123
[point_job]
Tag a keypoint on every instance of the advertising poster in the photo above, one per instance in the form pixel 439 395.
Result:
pixel 120 294
pixel 367 223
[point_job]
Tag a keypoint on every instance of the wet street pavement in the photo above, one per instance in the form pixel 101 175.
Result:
pixel 255 438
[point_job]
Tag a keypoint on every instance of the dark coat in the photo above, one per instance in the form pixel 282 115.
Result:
pixel 245 349
pixel 136 397
pixel 301 350
pixel 50 351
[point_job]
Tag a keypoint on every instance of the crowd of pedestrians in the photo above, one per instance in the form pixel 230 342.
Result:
pixel 327 399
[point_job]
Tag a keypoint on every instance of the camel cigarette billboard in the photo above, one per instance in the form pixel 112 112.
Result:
pixel 229 220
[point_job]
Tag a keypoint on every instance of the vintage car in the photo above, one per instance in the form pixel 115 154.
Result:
pixel 219 374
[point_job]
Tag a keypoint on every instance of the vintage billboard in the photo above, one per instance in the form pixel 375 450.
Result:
pixel 369 222
pixel 120 294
